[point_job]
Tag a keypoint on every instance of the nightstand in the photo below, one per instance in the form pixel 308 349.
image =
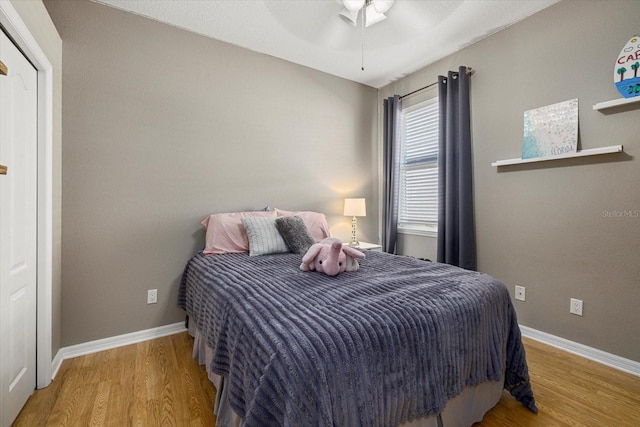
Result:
pixel 370 246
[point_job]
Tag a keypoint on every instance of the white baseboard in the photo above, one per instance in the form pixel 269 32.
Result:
pixel 617 362
pixel 113 342
pixel 56 363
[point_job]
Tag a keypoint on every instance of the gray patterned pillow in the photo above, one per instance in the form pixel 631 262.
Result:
pixel 264 238
pixel 295 233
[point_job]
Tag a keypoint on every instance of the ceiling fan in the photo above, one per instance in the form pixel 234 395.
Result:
pixel 373 10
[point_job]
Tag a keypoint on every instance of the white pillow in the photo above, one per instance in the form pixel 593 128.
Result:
pixel 264 237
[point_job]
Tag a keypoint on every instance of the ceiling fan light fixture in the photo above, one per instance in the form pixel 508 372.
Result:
pixel 353 5
pixel 382 6
pixel 372 13
pixel 350 16
pixel 372 16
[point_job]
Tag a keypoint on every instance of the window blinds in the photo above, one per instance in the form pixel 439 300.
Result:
pixel 418 206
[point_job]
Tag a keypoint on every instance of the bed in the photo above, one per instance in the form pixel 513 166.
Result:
pixel 399 342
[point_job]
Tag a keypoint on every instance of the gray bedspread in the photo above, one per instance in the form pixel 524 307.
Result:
pixel 384 345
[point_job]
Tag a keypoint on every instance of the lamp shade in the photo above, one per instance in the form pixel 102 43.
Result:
pixel 382 6
pixel 372 16
pixel 349 16
pixel 355 207
pixel 353 5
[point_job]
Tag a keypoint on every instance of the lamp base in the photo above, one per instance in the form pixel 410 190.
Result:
pixel 354 226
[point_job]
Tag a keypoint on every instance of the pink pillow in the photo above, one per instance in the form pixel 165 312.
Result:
pixel 316 222
pixel 225 232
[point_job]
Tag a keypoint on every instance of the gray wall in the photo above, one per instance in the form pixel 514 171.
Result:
pixel 36 18
pixel 545 226
pixel 163 127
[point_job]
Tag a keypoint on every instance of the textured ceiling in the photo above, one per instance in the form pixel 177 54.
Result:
pixel 416 33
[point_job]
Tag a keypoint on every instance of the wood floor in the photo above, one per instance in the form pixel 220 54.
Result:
pixel 152 383
pixel 570 391
pixel 157 383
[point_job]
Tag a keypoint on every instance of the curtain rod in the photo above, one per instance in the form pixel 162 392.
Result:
pixel 470 71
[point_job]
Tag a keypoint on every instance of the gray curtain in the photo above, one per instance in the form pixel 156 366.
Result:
pixel 391 168
pixel 456 231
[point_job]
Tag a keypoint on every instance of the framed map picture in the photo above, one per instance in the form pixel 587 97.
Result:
pixel 551 130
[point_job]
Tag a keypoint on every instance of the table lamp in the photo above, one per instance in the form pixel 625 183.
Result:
pixel 354 208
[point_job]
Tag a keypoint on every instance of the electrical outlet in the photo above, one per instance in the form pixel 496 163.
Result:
pixel 520 293
pixel 576 307
pixel 152 296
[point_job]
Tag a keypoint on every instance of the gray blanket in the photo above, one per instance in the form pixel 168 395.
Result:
pixel 379 347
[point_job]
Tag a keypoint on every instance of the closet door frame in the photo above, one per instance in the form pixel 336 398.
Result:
pixel 23 38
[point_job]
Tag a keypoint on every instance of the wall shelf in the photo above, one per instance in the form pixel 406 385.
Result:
pixel 581 153
pixel 615 103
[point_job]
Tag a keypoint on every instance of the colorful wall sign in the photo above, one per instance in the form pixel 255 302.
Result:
pixel 625 73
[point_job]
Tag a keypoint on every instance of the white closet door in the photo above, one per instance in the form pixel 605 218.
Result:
pixel 18 195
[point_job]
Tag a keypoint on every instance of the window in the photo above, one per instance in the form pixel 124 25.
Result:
pixel 418 204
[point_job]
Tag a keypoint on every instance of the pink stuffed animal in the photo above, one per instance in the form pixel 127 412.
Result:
pixel 331 257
